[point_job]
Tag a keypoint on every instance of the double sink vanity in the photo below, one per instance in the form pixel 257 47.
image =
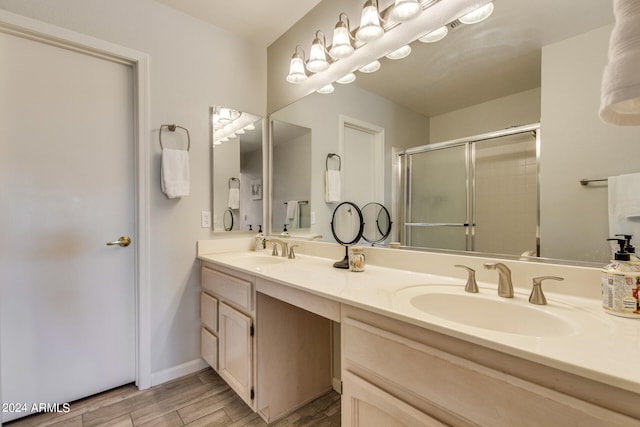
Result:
pixel 406 345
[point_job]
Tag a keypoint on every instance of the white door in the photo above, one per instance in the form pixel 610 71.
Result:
pixel 67 187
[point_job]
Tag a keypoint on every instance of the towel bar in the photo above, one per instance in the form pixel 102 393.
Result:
pixel 232 179
pixel 172 128
pixel 330 155
pixel 587 181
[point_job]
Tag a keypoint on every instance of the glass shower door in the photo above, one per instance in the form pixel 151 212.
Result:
pixel 438 209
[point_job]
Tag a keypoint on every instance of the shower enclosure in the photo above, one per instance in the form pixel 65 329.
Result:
pixel 473 194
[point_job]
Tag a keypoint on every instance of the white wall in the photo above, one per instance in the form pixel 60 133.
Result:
pixel 576 144
pixel 193 66
pixel 519 109
pixel 403 129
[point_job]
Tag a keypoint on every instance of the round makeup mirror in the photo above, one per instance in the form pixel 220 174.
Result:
pixel 346 225
pixel 227 220
pixel 377 223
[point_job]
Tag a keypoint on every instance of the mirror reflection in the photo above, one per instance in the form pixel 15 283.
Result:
pixel 291 170
pixel 237 170
pixel 530 62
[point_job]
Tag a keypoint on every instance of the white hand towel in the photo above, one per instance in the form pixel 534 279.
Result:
pixel 293 213
pixel 624 205
pixel 234 198
pixel 332 186
pixel 620 91
pixel 174 171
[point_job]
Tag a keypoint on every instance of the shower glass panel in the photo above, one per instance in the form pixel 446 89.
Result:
pixel 438 212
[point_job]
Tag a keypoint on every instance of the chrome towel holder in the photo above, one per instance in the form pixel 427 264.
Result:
pixel 172 128
pixel 330 155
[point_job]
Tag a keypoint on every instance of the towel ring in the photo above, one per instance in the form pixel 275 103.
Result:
pixel 330 155
pixel 172 128
pixel 234 179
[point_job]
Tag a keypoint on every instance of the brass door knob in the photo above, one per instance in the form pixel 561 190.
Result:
pixel 123 241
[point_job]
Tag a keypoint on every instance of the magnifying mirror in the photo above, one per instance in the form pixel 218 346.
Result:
pixel 227 220
pixel 346 225
pixel 377 223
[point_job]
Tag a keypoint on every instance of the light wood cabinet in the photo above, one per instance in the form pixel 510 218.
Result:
pixel 235 353
pixel 407 375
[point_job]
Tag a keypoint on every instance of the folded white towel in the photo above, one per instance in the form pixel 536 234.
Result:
pixel 174 173
pixel 620 91
pixel 624 205
pixel 332 186
pixel 293 213
pixel 234 198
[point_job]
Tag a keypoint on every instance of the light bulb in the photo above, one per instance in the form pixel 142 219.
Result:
pixel 405 10
pixel 400 53
pixel 435 35
pixel 349 78
pixel 372 67
pixel 326 89
pixel 477 15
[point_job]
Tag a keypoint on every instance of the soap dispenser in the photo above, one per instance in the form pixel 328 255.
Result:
pixel 260 242
pixel 621 284
pixel 628 248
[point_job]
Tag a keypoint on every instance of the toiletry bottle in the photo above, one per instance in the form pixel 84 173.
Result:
pixel 621 284
pixel 260 239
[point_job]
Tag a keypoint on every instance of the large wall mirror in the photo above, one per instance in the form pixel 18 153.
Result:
pixel 530 62
pixel 237 175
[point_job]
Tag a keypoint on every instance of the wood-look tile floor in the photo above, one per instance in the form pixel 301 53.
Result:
pixel 199 399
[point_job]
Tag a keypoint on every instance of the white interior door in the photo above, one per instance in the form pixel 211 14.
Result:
pixel 67 301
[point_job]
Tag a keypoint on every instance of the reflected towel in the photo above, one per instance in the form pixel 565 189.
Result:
pixel 174 173
pixel 234 198
pixel 293 213
pixel 332 186
pixel 624 205
pixel 620 91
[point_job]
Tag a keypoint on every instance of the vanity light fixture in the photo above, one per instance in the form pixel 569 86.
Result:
pixel 225 139
pixel 405 10
pixel 326 89
pixel 349 78
pixel 371 67
pixel 240 131
pixel 400 53
pixel 477 15
pixel 435 35
pixel 318 54
pixel 250 126
pixel 341 46
pixel 370 28
pixel 297 73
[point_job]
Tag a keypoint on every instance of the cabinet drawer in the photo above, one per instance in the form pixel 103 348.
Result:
pixel 209 348
pixel 228 288
pixel 209 311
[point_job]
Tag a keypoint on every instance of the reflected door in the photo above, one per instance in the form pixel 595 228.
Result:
pixel 437 215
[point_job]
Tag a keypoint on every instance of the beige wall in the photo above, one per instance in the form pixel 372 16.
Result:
pixel 576 144
pixel 193 65
pixel 519 109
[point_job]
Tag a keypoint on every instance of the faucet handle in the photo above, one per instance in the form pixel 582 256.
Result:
pixel 472 285
pixel 292 254
pixel 537 296
pixel 274 251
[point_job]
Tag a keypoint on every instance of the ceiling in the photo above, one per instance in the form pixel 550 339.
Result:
pixel 473 64
pixel 259 21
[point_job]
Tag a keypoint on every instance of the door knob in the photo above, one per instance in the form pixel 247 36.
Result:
pixel 122 241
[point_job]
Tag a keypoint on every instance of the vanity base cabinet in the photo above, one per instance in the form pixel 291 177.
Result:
pixel 407 375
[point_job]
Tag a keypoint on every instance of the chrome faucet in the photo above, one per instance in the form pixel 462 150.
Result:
pixel 537 296
pixel 505 287
pixel 283 245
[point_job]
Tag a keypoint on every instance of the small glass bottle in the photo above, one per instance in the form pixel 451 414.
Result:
pixel 356 258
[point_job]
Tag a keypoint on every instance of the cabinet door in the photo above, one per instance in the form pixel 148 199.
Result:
pixel 365 405
pixel 235 358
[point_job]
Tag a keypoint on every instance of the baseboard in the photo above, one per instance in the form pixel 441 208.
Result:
pixel 177 371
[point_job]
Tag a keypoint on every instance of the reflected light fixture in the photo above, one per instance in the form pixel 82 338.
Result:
pixel 400 53
pixel 405 10
pixel 341 46
pixel 250 126
pixel 326 89
pixel 297 73
pixel 318 54
pixel 370 28
pixel 349 78
pixel 477 15
pixel 435 35
pixel 371 67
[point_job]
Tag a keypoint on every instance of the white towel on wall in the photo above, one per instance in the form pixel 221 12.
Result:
pixel 293 213
pixel 624 205
pixel 234 198
pixel 174 173
pixel 332 186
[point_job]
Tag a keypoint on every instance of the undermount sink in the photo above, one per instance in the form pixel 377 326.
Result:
pixel 259 259
pixel 486 310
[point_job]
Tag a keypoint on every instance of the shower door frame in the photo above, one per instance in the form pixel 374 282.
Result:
pixel 403 162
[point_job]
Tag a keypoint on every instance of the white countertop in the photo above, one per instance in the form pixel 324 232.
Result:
pixel 603 348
